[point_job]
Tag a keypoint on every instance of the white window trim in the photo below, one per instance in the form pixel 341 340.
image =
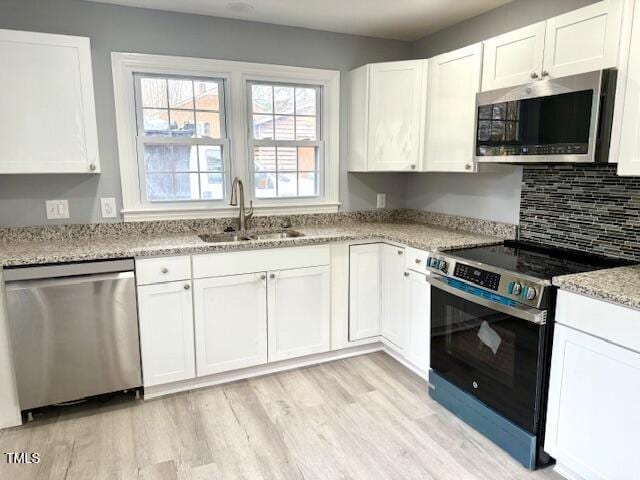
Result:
pixel 236 75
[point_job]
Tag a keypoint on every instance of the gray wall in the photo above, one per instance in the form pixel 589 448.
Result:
pixel 116 28
pixel 487 196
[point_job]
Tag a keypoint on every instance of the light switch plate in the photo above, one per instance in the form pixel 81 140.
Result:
pixel 57 209
pixel 381 200
pixel 108 206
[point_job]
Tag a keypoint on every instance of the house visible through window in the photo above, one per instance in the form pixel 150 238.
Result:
pixel 181 138
pixel 285 140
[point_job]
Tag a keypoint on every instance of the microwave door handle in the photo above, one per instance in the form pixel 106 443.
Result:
pixel 523 312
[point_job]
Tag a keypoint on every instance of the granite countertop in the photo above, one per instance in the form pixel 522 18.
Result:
pixel 619 285
pixel 418 235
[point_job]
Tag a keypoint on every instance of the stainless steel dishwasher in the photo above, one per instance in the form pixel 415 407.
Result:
pixel 74 330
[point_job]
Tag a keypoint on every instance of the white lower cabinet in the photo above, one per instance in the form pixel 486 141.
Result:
pixel 365 289
pixel 166 332
pixel 231 322
pixel 393 286
pixel 299 312
pixel 417 314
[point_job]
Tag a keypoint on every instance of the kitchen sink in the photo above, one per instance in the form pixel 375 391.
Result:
pixel 236 237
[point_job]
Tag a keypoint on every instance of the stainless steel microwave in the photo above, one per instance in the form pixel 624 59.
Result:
pixel 558 120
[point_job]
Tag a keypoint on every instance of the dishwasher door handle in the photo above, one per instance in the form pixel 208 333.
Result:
pixel 59 282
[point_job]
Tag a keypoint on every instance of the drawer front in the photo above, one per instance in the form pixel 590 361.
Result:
pixel 163 269
pixel 250 261
pixel 416 260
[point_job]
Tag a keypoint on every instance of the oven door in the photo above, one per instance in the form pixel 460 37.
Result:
pixel 492 354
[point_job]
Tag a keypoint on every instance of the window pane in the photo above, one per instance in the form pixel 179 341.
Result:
pixel 287 159
pixel 208 124
pixel 262 126
pixel 262 98
pixel 153 92
pixel 159 186
pixel 211 158
pixel 305 128
pixel 207 95
pixel 307 159
pixel 284 99
pixel 180 93
pixel 182 123
pixel 211 186
pixel 186 186
pixel 156 122
pixel 158 158
pixel 287 184
pixel 308 184
pixel 264 159
pixel 284 128
pixel 185 158
pixel 265 185
pixel 305 101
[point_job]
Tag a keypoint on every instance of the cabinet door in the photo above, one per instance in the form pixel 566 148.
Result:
pixel 166 332
pixel 395 106
pixel 48 112
pixel 299 312
pixel 628 138
pixel 393 284
pixel 417 305
pixel 365 289
pixel 454 80
pixel 583 40
pixel 593 417
pixel 231 322
pixel 514 58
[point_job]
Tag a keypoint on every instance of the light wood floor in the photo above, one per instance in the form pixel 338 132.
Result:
pixel 364 418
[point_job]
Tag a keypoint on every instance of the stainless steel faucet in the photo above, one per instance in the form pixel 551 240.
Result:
pixel 244 216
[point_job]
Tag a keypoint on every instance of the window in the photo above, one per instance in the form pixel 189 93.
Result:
pixel 284 139
pixel 187 126
pixel 181 138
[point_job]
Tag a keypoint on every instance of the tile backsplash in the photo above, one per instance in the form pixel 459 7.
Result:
pixel 581 207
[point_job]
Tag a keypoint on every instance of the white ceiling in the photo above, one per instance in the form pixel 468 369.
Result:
pixel 396 19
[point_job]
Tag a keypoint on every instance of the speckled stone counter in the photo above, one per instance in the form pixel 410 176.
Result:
pixel 619 285
pixel 14 252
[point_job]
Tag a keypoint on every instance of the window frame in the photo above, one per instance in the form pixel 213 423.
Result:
pixel 235 76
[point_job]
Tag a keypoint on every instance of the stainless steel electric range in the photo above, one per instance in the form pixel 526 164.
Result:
pixel 492 314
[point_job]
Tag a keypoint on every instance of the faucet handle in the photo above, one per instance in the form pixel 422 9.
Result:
pixel 249 214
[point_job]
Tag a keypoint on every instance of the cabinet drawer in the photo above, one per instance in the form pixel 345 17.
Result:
pixel 163 269
pixel 250 261
pixel 416 259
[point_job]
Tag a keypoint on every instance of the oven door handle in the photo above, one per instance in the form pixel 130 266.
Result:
pixel 523 312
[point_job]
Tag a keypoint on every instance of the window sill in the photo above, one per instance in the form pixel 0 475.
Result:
pixel 155 214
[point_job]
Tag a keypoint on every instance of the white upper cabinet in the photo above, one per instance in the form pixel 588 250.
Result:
pixel 392 327
pixel 583 40
pixel 48 111
pixel 513 58
pixel 299 312
pixel 365 290
pixel 231 322
pixel 386 109
pixel 454 80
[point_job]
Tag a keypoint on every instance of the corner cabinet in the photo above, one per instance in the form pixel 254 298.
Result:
pixel 386 108
pixel 48 110
pixel 365 290
pixel 454 80
pixel 393 285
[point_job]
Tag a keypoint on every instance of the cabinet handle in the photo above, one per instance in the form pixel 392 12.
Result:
pixel 187 286
pixel 400 252
pixel 272 275
pixel 534 75
pixel 92 167
pixel 164 270
pixel 263 276
pixel 406 274
pixel 545 73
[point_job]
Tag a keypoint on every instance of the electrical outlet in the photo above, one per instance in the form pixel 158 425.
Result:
pixel 108 206
pixel 381 200
pixel 57 209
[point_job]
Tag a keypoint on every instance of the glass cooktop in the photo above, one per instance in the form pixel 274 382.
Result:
pixel 536 260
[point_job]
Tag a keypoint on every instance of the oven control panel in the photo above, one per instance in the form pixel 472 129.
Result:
pixel 490 280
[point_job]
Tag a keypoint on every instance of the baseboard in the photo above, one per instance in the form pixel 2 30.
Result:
pixel 566 472
pixel 259 370
pixel 390 350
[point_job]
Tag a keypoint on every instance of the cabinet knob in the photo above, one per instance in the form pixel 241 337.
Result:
pixel 164 270
pixel 467 167
pixel 418 260
pixel 187 286
pixel 406 274
pixel 263 276
pixel 272 275
pixel 92 167
pixel 413 167
pixel 400 252
pixel 545 73
pixel 534 75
